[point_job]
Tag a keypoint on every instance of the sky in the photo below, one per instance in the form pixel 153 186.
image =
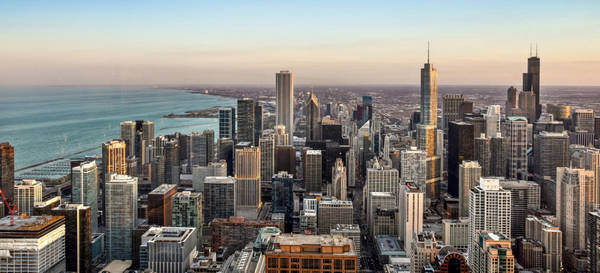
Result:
pixel 322 42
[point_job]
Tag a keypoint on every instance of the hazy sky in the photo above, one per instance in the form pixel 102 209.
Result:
pixel 322 42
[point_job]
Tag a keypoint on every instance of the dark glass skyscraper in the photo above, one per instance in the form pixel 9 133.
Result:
pixel 531 82
pixel 460 147
pixel 283 197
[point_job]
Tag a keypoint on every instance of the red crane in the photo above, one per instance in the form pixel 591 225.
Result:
pixel 11 210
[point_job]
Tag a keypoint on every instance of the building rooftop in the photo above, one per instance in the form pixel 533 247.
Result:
pixel 382 194
pixel 116 266
pixel 121 178
pixel 302 243
pixel 346 227
pixel 313 152
pixel 388 245
pixel 163 188
pixel 167 234
pixel 219 180
pixel 28 223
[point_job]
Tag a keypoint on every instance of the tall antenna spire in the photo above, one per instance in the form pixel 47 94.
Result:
pixel 530 52
pixel 427 51
pixel 536 49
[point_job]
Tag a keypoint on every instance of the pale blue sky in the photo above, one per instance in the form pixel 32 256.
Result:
pixel 322 42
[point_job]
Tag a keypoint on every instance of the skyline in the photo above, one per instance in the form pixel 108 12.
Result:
pixel 334 43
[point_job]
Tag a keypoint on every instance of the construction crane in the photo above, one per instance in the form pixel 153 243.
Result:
pixel 11 210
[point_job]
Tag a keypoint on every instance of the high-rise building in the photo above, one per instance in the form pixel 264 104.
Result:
pixel 7 172
pixel 516 129
pixel 280 136
pixel 380 179
pixel 498 161
pixel 245 120
pixel 283 197
pixel 531 81
pixel 551 238
pixel 121 215
pixel 469 173
pixel 284 84
pixel 512 101
pixel 410 214
pixel 267 159
pixel 589 159
pixel 187 211
pixel 84 189
pixel 426 139
pixel 169 249
pixel 128 135
pixel 247 176
pixel 258 122
pixel 219 198
pixel 160 205
pixel 199 173
pixel 313 117
pixel 285 159
pixel 520 191
pixel 574 199
pixel 172 161
pixel 226 152
pixel 583 120
pixel 451 108
pixel 382 214
pixel 550 150
pixel 492 120
pixel 113 157
pixel 593 235
pixel 32 244
pixel 313 171
pixel 423 251
pixel 460 148
pixel 559 111
pixel 317 253
pixel 78 236
pixel 201 148
pixel 351 167
pixel 482 146
pixel 339 180
pixel 27 194
pixel 456 232
pixel 527 105
pixel 332 212
pixel 413 165
pixel 429 93
pixel 227 122
pixel 492 252
pixel 489 210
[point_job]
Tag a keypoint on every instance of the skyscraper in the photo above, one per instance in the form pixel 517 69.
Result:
pixel 451 108
pixel 7 172
pixel 160 205
pixel 202 148
pixel 551 238
pixel 583 120
pixel 219 198
pixel 247 176
pixel 113 157
pixel 593 233
pixel 284 84
pixel 527 105
pixel 469 173
pixel 489 210
pixel 574 200
pixel 187 211
pixel 121 215
pixel 283 197
pixel 227 122
pixel 27 194
pixel 313 171
pixel 169 249
pixel 84 189
pixel 413 166
pixel 550 150
pixel 492 253
pixel 460 148
pixel 516 129
pixel 482 153
pixel 339 180
pixel 492 120
pixel 226 152
pixel 245 120
pixel 171 163
pixel 313 117
pixel 382 214
pixel 258 122
pixel 332 212
pixel 281 137
pixel 429 93
pixel 410 213
pixel 531 81
pixel 128 135
pixel 380 179
pixel 267 158
pixel 78 236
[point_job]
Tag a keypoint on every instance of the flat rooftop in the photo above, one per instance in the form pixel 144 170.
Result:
pixel 168 234
pixel 163 188
pixel 219 180
pixel 28 223
pixel 313 242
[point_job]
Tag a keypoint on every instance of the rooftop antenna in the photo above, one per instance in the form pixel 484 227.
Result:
pixel 536 49
pixel 427 51
pixel 530 48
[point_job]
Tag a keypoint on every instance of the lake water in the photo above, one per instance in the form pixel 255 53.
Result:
pixel 44 123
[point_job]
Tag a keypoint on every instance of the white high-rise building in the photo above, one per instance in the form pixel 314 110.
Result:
pixel 386 148
pixel 284 84
pixel 121 215
pixel 381 217
pixel 516 132
pixel 574 200
pixel 410 212
pixel 351 167
pixel 492 120
pixel 27 195
pixel 413 164
pixel 469 173
pixel 338 180
pixel 84 188
pixel 168 249
pixel 380 179
pixel 456 232
pixel 267 158
pixel 489 210
pixel 199 173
